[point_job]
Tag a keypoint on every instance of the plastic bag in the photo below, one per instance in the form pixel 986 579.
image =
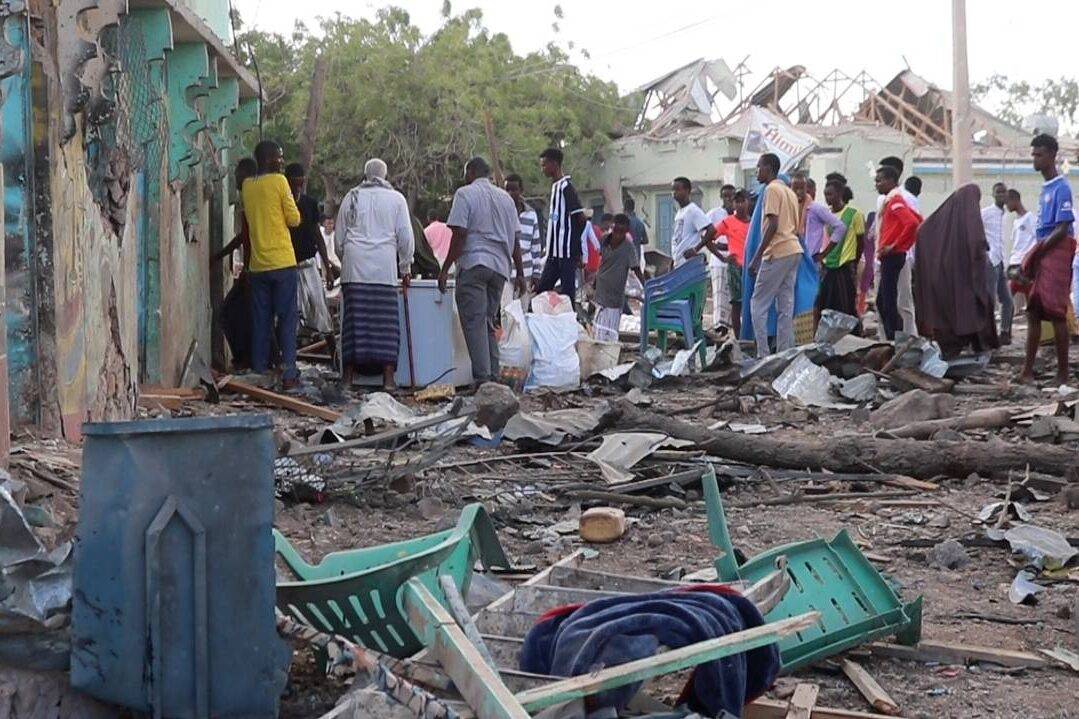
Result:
pixel 551 303
pixel 515 344
pixel 554 350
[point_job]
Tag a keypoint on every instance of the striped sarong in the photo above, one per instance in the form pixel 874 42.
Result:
pixel 370 329
pixel 605 326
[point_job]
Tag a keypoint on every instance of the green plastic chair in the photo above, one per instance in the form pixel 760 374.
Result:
pixel 358 594
pixel 834 578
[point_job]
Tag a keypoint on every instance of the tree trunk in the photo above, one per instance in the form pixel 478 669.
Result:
pixel 314 108
pixel 855 453
pixel 492 141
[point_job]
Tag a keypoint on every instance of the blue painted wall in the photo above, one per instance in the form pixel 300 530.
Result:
pixel 15 153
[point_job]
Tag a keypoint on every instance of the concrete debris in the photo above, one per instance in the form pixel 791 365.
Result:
pixel 949 554
pixel 495 404
pixel 601 525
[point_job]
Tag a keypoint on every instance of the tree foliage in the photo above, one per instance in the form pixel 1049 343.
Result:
pixel 1017 99
pixel 419 102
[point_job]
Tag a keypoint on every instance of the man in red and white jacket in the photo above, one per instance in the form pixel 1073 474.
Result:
pixel 898 228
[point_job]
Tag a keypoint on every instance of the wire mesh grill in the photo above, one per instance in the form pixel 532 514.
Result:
pixel 127 127
pixel 345 470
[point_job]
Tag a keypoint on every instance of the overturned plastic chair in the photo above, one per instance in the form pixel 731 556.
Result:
pixel 674 302
pixel 855 603
pixel 359 594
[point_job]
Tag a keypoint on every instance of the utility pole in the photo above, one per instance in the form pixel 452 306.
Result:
pixel 962 127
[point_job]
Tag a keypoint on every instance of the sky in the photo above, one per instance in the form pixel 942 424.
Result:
pixel 634 41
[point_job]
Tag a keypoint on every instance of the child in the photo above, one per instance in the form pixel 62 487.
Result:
pixel 618 256
pixel 731 235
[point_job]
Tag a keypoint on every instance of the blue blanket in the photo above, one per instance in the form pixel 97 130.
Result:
pixel 613 631
pixel 805 288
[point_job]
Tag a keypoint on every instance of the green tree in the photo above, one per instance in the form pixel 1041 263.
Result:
pixel 419 102
pixel 1017 99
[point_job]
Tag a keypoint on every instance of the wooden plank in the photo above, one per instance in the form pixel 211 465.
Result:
pixel 566 576
pixel 664 663
pixel 161 402
pixel 459 612
pixel 506 600
pixel 478 683
pixel 541 598
pixel 506 623
pixel 872 691
pixel 912 483
pixel 772 709
pixel 803 701
pixel 950 653
pixel 279 400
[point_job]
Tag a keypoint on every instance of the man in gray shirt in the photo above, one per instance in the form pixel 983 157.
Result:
pixel 483 219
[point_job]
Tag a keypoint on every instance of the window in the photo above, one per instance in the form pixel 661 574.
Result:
pixel 664 222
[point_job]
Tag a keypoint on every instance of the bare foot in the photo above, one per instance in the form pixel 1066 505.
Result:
pixel 1026 378
pixel 1062 380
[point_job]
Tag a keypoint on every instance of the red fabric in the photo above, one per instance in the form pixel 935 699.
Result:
pixel 899 226
pixel 593 250
pixel 1050 291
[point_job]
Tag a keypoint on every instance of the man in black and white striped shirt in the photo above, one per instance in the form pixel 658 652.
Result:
pixel 565 229
pixel 528 232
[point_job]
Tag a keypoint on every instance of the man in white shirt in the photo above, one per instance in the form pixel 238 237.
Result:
pixel 373 237
pixel 993 221
pixel 690 223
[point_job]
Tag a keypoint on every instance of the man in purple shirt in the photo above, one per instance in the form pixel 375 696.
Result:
pixel 815 217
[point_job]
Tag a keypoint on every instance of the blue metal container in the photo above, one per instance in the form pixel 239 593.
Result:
pixel 174 568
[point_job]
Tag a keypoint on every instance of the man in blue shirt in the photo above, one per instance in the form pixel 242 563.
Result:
pixel 1048 265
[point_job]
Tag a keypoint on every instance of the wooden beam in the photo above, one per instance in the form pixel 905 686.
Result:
pixel 872 691
pixel 457 608
pixel 803 701
pixel 772 709
pixel 950 653
pixel 665 662
pixel 478 683
pixel 283 401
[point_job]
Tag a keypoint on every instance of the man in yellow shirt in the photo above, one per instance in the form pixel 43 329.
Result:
pixel 270 211
pixel 776 262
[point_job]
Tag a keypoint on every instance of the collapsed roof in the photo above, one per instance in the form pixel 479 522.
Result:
pixel 909 104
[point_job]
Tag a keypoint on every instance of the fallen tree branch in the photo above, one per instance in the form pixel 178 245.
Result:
pixel 913 458
pixel 989 418
pixel 799 498
pixel 631 499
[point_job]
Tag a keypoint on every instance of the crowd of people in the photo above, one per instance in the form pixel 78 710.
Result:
pixel 776 253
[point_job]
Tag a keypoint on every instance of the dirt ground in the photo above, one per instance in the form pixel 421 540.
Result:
pixel 969 604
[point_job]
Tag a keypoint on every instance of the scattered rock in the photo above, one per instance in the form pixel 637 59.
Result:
pixel 370 703
pixel 656 539
pixel 940 521
pixel 692 495
pixel 495 404
pixel 403 484
pixel 602 525
pixel 949 554
pixel 1070 496
pixel 914 406
pixel 430 507
pixel 947 435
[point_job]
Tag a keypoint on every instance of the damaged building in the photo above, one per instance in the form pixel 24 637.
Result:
pixel 120 121
pixel 850 122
